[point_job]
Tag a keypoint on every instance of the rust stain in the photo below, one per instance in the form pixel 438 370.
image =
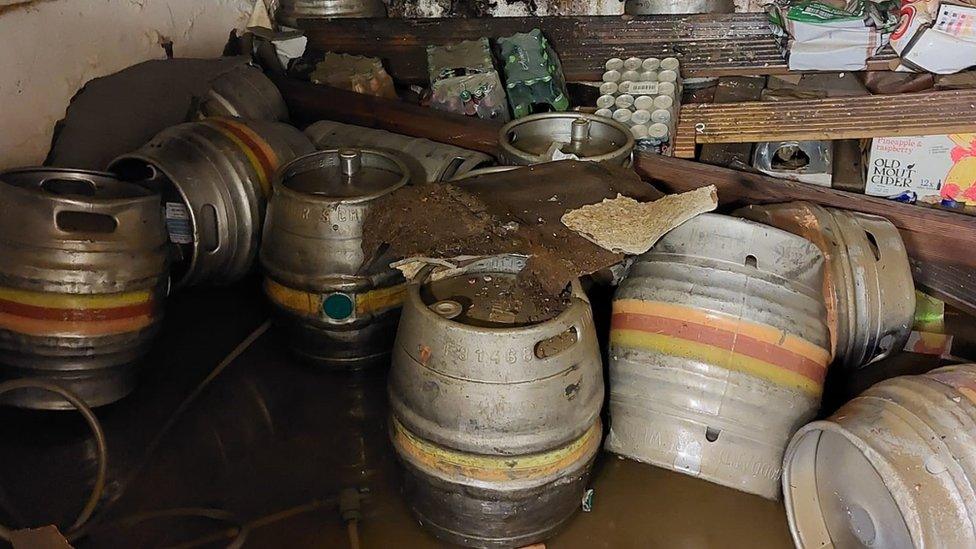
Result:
pixel 424 354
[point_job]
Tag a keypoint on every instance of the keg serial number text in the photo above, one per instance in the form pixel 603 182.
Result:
pixel 485 356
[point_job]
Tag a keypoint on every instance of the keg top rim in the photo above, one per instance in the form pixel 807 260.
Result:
pixel 76 186
pixel 331 166
pixel 623 142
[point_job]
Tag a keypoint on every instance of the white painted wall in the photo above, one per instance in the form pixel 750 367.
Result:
pixel 50 48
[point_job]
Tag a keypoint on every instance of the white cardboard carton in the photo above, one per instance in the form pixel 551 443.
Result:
pixel 934 166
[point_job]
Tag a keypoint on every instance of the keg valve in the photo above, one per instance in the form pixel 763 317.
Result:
pixel 350 162
pixel 580 130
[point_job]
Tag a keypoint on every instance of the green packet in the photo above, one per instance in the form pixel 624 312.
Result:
pixel 881 14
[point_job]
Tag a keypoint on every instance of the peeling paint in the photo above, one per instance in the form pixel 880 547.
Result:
pixel 61 44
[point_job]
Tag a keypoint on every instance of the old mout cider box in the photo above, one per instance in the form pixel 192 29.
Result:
pixel 936 167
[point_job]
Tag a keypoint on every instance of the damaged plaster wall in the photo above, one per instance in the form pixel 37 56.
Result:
pixel 502 8
pixel 52 47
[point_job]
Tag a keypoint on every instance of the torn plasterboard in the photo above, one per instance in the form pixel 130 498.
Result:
pixel 446 268
pixel 624 225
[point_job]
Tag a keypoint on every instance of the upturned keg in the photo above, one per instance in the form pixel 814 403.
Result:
pixel 718 351
pixel 867 281
pixel 244 92
pixel 291 11
pixel 429 161
pixel 337 306
pixel 495 405
pixel 215 177
pixel 83 275
pixel 561 135
pixel 894 467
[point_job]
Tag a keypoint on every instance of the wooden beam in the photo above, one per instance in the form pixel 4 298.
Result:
pixel 309 103
pixel 708 45
pixel 931 235
pixel 907 114
pixel 733 89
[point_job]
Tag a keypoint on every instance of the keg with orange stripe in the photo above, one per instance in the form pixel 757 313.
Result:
pixel 894 467
pixel 718 351
pixel 335 305
pixel 215 178
pixel 83 275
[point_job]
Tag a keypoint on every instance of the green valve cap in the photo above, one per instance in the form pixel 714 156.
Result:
pixel 337 306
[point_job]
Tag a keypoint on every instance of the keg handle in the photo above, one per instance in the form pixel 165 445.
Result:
pixel 555 346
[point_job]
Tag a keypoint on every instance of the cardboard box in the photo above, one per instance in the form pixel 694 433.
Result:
pixel 934 166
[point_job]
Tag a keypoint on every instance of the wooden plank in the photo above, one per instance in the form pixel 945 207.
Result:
pixel 932 113
pixel 733 89
pixel 708 45
pixel 309 103
pixel 954 285
pixel 931 236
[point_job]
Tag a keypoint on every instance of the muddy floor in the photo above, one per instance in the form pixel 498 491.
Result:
pixel 274 441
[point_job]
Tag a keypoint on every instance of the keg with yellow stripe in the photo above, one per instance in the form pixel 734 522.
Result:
pixel 215 178
pixel 894 467
pixel 83 275
pixel 496 402
pixel 336 306
pixel 718 351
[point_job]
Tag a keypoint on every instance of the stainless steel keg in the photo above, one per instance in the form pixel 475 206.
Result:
pixel 337 307
pixel 496 403
pixel 667 7
pixel 215 177
pixel 427 160
pixel 565 135
pixel 245 92
pixel 291 11
pixel 718 350
pixel 894 467
pixel 867 281
pixel 83 276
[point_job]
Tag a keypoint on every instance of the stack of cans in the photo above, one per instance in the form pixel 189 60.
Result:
pixel 645 95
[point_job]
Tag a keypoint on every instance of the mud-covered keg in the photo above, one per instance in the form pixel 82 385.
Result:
pixel 290 12
pixel 244 92
pixel 215 177
pixel 669 7
pixel 496 399
pixel 718 351
pixel 565 135
pixel 337 306
pixel 867 280
pixel 894 467
pixel 83 275
pixel 426 160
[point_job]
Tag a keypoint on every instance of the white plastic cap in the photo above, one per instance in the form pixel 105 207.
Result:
pixel 640 116
pixel 608 88
pixel 670 64
pixel 622 115
pixel 624 101
pixel 645 102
